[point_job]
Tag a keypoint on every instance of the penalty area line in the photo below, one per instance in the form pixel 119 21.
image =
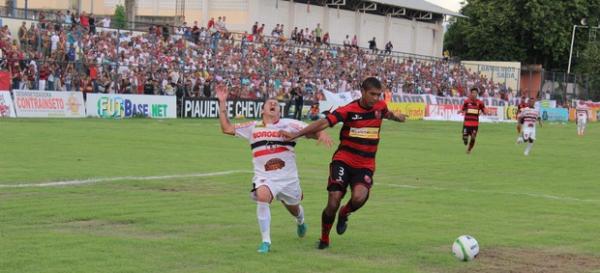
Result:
pixel 120 178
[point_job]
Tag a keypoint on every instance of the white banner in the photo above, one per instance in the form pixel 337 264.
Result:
pixel 431 99
pixel 449 112
pixel 7 108
pixel 334 100
pixel 127 106
pixel 49 104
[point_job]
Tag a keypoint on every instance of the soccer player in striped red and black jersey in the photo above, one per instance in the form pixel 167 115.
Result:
pixel 522 104
pixel 472 108
pixel 353 164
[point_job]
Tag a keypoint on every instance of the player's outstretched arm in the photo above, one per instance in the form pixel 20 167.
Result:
pixel 399 118
pixel 312 128
pixel 226 126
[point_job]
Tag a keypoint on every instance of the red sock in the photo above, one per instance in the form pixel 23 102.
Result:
pixel 345 210
pixel 325 229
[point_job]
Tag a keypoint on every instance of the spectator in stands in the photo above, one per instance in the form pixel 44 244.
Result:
pixel 355 42
pixel 318 34
pixel 106 22
pixel 298 98
pixel 84 20
pixel 294 35
pixel 389 47
pixel 92 22
pixel 68 19
pixel 211 23
pixel 326 39
pixel 347 42
pixel 313 113
pixel 373 45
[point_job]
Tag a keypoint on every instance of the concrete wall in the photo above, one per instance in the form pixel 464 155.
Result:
pixel 406 35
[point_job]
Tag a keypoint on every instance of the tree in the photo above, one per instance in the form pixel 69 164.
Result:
pixel 590 66
pixel 120 17
pixel 528 31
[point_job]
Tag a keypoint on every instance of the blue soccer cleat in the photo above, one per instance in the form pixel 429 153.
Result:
pixel 264 247
pixel 301 230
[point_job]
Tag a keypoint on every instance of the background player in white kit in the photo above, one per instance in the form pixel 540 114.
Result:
pixel 274 160
pixel 526 125
pixel 581 113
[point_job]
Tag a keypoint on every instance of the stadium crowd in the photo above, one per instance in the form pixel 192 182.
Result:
pixel 76 52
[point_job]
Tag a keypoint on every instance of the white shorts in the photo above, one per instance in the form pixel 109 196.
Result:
pixel 528 133
pixel 288 191
pixel 581 122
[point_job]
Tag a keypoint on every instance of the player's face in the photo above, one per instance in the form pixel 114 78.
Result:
pixel 271 109
pixel 531 103
pixel 473 95
pixel 370 97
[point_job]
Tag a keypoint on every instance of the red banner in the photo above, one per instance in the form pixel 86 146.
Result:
pixel 4 81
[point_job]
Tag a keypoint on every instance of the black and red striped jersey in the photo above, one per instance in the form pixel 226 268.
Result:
pixel 472 110
pixel 359 136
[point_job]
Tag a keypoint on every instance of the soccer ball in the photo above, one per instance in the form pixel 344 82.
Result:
pixel 465 248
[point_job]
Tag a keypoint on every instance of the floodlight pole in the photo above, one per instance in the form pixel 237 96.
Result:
pixel 572 42
pixel 571 51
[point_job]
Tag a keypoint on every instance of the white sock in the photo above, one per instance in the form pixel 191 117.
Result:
pixel 529 146
pixel 263 212
pixel 300 217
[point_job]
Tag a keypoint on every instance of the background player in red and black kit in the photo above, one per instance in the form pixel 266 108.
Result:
pixel 472 108
pixel 522 104
pixel 353 163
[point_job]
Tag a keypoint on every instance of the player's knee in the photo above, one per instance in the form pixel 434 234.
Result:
pixel 360 193
pixel 263 194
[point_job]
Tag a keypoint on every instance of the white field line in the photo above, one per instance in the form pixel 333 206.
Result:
pixel 536 195
pixel 121 178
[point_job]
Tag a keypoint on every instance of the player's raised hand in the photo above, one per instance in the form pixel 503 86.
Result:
pixel 222 92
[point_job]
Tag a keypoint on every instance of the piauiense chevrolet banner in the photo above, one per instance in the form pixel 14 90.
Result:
pixel 209 108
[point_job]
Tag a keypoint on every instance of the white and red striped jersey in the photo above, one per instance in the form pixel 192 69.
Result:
pixel 582 113
pixel 273 157
pixel 528 117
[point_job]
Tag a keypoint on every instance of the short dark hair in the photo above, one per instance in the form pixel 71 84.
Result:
pixel 474 89
pixel 370 83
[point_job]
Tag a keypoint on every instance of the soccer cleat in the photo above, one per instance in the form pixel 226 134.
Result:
pixel 301 230
pixel 322 244
pixel 264 247
pixel 341 224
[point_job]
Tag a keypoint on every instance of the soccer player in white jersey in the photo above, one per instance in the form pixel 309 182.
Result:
pixel 275 172
pixel 581 118
pixel 526 125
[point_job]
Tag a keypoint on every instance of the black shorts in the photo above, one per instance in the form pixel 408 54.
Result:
pixel 341 176
pixel 470 130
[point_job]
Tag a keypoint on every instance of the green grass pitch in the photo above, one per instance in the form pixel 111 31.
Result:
pixel 199 218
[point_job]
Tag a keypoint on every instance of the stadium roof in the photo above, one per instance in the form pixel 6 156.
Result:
pixel 421 5
pixel 409 9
